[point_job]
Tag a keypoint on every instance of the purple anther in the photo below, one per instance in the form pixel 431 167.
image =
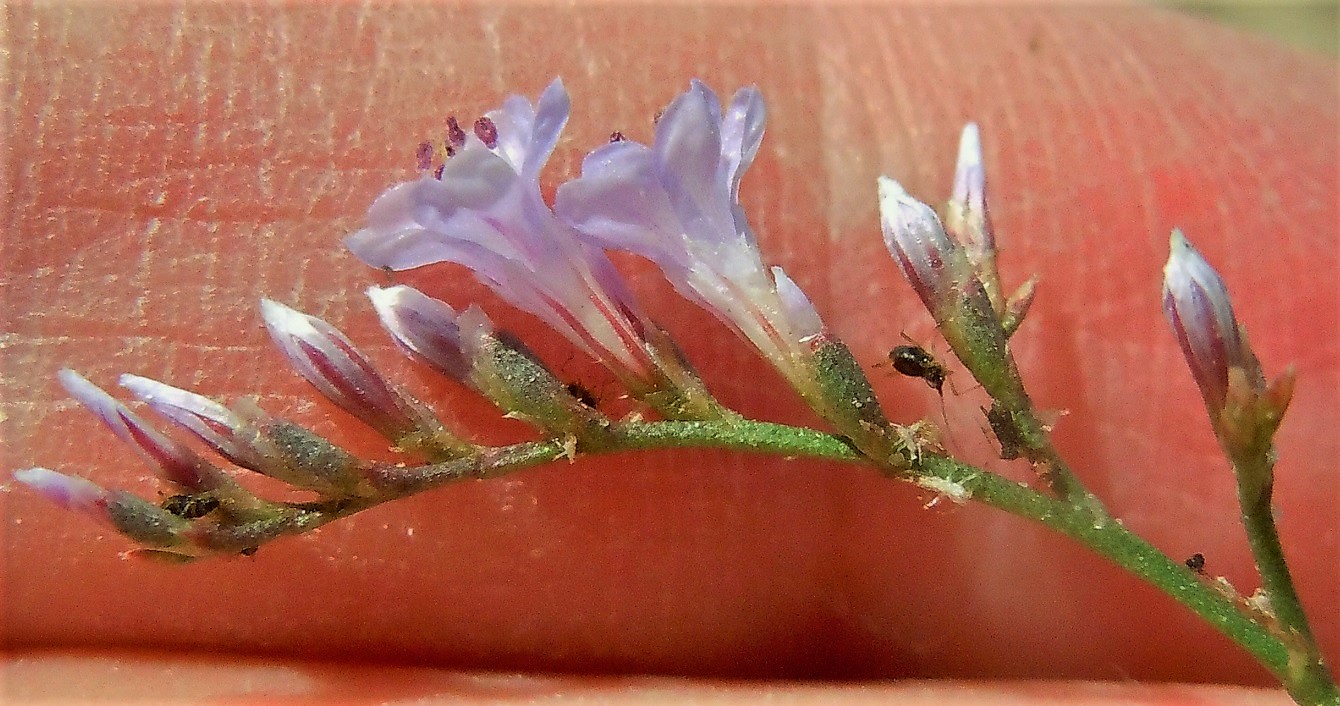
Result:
pixel 424 156
pixel 455 135
pixel 487 132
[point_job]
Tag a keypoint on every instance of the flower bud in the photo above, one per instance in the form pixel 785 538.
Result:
pixel 177 463
pixel 130 515
pixel 1195 300
pixel 967 219
pixel 422 326
pixel 254 440
pixel 328 360
pixel 942 276
pixel 1244 409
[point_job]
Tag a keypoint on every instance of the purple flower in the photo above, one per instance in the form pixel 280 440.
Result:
pixel 178 463
pixel 486 213
pixel 677 204
pixel 1195 300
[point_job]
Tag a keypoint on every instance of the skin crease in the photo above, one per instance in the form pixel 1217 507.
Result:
pixel 169 166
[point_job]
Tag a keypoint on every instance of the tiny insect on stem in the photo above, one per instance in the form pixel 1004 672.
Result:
pixel 916 362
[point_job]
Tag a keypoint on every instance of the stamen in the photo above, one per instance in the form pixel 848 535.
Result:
pixel 455 135
pixel 487 132
pixel 424 156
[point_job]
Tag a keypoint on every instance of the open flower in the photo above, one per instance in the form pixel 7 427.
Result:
pixel 677 204
pixel 486 212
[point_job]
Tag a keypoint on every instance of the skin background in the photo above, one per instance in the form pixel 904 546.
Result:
pixel 169 165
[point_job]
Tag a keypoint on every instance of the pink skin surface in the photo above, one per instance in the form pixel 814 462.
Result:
pixel 169 166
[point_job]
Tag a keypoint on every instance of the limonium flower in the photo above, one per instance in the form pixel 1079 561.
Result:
pixel 676 202
pixel 484 210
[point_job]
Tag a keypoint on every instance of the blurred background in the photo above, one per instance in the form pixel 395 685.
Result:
pixel 1312 26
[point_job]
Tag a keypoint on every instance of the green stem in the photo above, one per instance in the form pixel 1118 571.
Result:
pixel 1307 668
pixel 1086 523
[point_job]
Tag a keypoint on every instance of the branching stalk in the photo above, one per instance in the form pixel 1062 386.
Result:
pixel 1086 523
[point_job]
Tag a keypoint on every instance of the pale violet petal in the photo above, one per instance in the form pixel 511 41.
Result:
pixel 618 203
pixel 741 134
pixel 551 115
pixel 422 326
pixel 688 163
pixel 800 311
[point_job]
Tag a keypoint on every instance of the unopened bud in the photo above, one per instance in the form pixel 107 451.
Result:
pixel 177 463
pixel 422 326
pixel 328 360
pixel 132 516
pixel 255 440
pixel 941 274
pixel 1195 300
pixel 1244 408
pixel 967 219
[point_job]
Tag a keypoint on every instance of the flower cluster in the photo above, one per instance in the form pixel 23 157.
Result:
pixel 951 265
pixel 675 202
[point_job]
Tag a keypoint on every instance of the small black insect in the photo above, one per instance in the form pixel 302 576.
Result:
pixel 914 362
pixel 1196 563
pixel 190 506
pixel 582 394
